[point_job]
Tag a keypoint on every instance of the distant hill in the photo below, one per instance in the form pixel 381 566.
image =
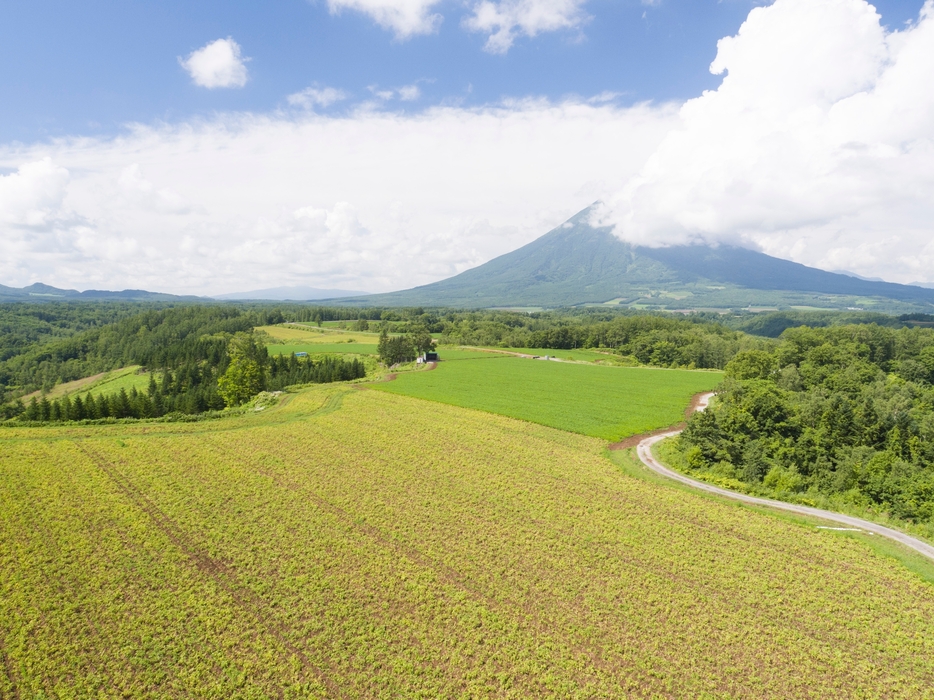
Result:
pixel 43 292
pixel 577 264
pixel 289 294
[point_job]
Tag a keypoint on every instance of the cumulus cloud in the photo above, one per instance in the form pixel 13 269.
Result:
pixel 33 195
pixel 217 65
pixel 406 18
pixel 817 146
pixel 507 19
pixel 366 200
pixel 312 97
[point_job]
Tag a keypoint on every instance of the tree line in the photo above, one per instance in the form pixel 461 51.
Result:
pixel 842 416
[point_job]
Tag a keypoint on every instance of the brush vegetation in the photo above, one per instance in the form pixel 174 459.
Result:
pixel 840 416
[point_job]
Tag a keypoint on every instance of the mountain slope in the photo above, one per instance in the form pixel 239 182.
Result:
pixel 576 263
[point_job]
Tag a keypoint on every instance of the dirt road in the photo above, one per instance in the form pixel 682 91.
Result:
pixel 644 450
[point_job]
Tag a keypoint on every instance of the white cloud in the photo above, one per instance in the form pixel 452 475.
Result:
pixel 406 18
pixel 368 200
pixel 406 93
pixel 217 65
pixel 507 19
pixel 818 145
pixel 137 191
pixel 33 195
pixel 312 97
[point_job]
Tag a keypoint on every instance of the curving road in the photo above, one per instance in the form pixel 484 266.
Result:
pixel 644 450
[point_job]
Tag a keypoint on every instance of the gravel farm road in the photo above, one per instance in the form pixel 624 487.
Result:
pixel 644 450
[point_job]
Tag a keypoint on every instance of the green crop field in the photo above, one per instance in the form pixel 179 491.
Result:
pixel 604 402
pixel 360 544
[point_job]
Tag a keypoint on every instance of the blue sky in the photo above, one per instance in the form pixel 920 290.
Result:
pixel 213 147
pixel 90 67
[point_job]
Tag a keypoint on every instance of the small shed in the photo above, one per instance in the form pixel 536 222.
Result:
pixel 301 354
pixel 430 357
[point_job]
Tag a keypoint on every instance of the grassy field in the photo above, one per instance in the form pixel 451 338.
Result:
pixel 361 544
pixel 604 402
pixel 105 383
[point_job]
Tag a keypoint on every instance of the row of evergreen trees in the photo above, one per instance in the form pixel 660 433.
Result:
pixel 190 390
pixel 284 371
pixel 125 404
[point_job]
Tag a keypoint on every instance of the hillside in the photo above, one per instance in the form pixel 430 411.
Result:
pixel 576 264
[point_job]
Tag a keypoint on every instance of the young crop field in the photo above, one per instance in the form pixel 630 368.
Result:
pixel 604 402
pixel 360 544
pixel 314 348
pixel 295 334
pixel 294 338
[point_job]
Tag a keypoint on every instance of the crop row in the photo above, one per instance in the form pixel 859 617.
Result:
pixel 398 548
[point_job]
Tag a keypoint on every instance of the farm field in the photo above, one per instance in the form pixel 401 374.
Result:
pixel 603 402
pixel 579 355
pixel 105 383
pixel 356 544
pixel 311 348
pixel 298 335
pixel 314 340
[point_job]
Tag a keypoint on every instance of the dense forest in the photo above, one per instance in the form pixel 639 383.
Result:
pixel 23 324
pixel 840 416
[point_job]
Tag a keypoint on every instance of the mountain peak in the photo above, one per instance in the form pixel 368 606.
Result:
pixel 579 264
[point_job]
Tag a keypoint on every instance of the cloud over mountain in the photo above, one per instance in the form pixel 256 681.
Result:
pixel 818 145
pixel 368 200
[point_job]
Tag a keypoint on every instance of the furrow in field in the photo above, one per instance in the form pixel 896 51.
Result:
pixel 208 565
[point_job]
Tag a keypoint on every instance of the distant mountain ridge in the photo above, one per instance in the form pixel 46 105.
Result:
pixel 44 292
pixel 576 264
